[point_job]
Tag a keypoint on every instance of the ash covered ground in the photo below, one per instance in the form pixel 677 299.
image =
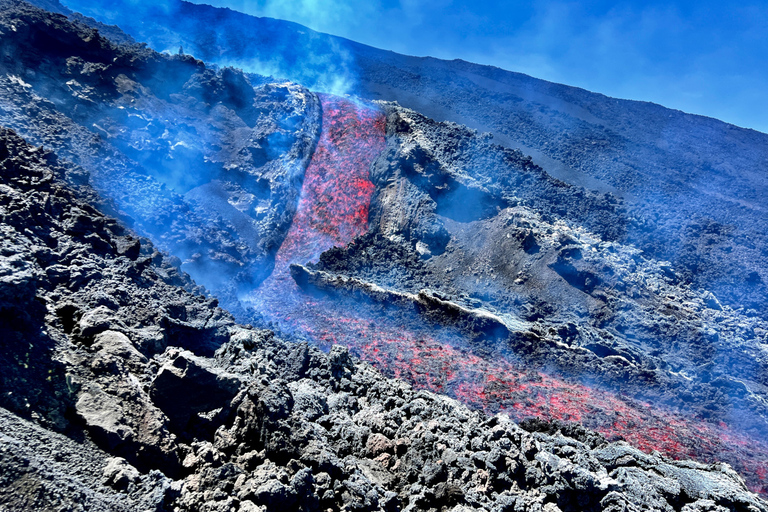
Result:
pixel 544 362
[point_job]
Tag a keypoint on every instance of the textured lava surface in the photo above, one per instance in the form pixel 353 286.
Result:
pixel 333 210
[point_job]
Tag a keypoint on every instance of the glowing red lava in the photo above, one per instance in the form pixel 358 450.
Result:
pixel 333 210
pixel 337 191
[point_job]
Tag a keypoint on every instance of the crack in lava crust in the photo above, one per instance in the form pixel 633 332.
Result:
pixel 333 210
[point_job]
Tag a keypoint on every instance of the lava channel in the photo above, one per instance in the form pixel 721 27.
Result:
pixel 333 210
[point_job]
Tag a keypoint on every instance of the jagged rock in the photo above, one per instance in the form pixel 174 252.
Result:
pixel 378 444
pixel 97 321
pixel 188 385
pixel 113 349
pixel 119 474
pixel 103 415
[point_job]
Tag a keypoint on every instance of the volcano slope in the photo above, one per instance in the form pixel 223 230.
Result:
pixel 512 309
pixel 492 255
pixel 124 389
pixel 196 157
pixel 511 302
pixel 687 178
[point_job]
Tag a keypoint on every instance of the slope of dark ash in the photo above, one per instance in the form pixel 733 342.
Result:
pixel 137 393
pixel 687 178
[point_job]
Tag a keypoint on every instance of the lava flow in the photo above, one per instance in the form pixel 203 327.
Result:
pixel 333 210
pixel 333 207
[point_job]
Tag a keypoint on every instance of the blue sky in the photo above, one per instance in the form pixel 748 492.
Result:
pixel 702 57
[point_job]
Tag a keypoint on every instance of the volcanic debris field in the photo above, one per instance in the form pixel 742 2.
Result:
pixel 428 320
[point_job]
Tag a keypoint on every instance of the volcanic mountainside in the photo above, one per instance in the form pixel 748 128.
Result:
pixel 344 230
pixel 125 389
pixel 691 179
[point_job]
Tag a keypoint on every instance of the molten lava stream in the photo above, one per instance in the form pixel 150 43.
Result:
pixel 333 210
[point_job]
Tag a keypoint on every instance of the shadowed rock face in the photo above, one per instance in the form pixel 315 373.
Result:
pixel 132 415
